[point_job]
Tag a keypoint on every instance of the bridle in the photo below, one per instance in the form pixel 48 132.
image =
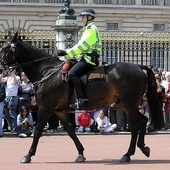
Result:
pixel 12 49
pixel 14 65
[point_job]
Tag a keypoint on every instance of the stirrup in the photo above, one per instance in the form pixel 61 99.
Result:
pixel 79 104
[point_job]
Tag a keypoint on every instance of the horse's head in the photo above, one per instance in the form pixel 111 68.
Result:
pixel 21 54
pixel 7 51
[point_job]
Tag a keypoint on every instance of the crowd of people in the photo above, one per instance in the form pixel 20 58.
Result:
pixel 15 103
pixel 17 93
pixel 18 115
pixel 163 90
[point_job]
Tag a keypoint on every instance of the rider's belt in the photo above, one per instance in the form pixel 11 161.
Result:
pixel 94 57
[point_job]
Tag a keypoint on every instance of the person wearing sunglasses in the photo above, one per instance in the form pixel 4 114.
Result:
pixel 24 123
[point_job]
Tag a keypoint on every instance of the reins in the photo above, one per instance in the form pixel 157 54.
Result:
pixel 38 60
pixel 48 76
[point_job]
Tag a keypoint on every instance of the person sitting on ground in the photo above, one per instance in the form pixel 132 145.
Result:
pixel 24 123
pixel 103 123
pixel 84 120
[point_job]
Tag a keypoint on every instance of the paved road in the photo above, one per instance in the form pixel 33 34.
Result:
pixel 101 151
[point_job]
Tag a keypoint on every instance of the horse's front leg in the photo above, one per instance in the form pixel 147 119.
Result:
pixel 41 122
pixel 65 120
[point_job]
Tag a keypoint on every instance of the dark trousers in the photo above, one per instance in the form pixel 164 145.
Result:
pixel 77 71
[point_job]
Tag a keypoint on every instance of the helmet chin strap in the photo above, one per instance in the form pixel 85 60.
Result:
pixel 88 19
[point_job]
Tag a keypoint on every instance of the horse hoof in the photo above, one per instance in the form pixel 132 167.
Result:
pixel 80 158
pixel 125 159
pixel 25 159
pixel 146 151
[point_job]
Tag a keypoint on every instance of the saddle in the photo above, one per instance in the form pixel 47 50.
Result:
pixel 94 74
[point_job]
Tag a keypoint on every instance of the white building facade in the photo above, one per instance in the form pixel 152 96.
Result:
pixel 112 15
pixel 135 31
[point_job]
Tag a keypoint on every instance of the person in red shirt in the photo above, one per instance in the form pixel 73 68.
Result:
pixel 84 120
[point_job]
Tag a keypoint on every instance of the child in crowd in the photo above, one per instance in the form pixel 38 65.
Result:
pixel 103 123
pixel 24 123
pixel 84 121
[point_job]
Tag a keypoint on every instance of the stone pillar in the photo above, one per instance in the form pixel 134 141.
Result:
pixel 66 28
pixel 138 2
pixel 90 1
pixel 161 3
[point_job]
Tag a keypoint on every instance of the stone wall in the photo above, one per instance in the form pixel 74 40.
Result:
pixel 42 16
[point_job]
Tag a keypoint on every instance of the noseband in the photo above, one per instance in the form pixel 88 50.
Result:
pixel 12 49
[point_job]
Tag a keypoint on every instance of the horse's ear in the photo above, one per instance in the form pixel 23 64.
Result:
pixel 9 36
pixel 14 39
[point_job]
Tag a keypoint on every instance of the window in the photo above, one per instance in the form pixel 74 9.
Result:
pixel 159 27
pixel 112 27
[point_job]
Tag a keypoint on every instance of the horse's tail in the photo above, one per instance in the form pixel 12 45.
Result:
pixel 155 106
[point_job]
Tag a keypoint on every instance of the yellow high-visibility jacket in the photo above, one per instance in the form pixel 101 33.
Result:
pixel 89 41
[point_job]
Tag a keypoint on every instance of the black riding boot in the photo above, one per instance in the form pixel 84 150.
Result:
pixel 81 99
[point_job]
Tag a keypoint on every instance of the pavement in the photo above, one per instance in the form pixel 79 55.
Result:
pixel 101 152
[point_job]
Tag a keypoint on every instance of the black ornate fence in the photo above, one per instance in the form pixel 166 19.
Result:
pixel 139 48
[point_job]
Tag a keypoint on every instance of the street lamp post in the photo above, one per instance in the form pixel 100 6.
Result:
pixel 66 27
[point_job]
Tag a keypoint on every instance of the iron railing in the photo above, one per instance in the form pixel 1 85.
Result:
pixel 139 48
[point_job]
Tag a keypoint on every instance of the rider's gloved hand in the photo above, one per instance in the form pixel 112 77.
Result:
pixel 61 52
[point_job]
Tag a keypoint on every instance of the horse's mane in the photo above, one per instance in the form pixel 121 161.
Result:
pixel 33 50
pixel 52 65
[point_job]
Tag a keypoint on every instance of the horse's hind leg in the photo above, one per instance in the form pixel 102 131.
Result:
pixel 65 120
pixel 131 150
pixel 41 122
pixel 141 138
pixel 138 130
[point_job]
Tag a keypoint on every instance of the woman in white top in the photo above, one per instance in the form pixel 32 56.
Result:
pixel 11 102
pixel 103 123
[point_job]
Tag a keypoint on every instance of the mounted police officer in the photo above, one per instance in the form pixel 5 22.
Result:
pixel 86 52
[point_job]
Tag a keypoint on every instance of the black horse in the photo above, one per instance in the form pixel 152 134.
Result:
pixel 124 85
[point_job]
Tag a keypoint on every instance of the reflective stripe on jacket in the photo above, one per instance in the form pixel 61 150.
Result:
pixel 89 41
